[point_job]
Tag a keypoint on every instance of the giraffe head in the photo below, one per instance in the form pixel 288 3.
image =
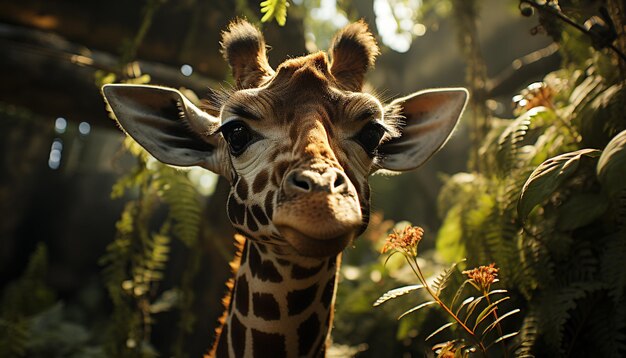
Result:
pixel 297 143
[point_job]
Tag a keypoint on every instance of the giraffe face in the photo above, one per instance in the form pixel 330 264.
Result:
pixel 298 143
pixel 301 151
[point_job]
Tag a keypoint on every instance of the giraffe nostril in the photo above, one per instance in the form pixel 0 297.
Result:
pixel 307 181
pixel 300 182
pixel 339 181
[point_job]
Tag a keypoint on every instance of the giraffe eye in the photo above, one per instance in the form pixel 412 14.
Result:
pixel 369 137
pixel 237 135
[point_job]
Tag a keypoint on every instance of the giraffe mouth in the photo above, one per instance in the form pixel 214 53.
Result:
pixel 309 246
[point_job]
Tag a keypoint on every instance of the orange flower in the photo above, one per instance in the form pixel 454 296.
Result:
pixel 406 240
pixel 483 276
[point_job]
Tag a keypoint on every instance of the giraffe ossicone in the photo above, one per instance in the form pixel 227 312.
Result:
pixel 297 144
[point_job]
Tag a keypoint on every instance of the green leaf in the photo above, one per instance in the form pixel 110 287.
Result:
pixel 471 307
pixel 495 323
pixel 417 308
pixel 464 303
pixel 395 293
pixel 440 329
pixel 580 210
pixel 274 9
pixel 488 310
pixel 457 295
pixel 548 176
pixel 505 337
pixel 612 166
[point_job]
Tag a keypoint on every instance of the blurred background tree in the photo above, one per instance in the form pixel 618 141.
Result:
pixel 118 289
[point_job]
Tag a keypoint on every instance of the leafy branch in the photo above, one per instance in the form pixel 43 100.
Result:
pixel 477 317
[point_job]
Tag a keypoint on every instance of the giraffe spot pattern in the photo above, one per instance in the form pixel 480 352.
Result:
pixel 242 294
pixel 238 336
pixel 294 132
pixel 265 306
pixel 279 172
pixel 261 248
pixel 321 348
pixel 236 210
pixel 250 222
pixel 222 344
pixel 242 189
pixel 268 344
pixel 244 254
pixel 327 295
pixel 299 273
pixel 308 332
pixel 299 300
pixel 283 262
pixel 260 182
pixel 263 269
pixel 259 215
pixel 269 207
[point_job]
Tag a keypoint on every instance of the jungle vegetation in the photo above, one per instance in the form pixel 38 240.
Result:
pixel 542 202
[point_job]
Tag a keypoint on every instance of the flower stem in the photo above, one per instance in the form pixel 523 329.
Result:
pixel 421 277
pixel 495 317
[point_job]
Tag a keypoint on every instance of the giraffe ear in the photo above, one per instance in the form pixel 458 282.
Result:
pixel 166 124
pixel 427 120
pixel 243 47
pixel 353 52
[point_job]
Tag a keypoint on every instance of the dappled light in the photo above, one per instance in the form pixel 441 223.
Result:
pixel 313 178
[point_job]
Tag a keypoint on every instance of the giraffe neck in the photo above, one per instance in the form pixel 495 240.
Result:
pixel 280 306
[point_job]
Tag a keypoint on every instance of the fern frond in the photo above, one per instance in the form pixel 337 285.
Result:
pixel 555 308
pixel 528 335
pixel 507 155
pixel 185 207
pixel 440 283
pixel 14 338
pixel 274 9
pixel 396 292
pixel 612 266
pixel 595 328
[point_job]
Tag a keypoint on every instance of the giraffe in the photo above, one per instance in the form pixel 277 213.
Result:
pixel 297 145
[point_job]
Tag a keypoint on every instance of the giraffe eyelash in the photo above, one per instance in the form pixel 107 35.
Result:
pixel 393 121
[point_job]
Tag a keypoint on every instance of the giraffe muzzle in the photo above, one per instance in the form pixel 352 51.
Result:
pixel 331 181
pixel 313 247
pixel 318 214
